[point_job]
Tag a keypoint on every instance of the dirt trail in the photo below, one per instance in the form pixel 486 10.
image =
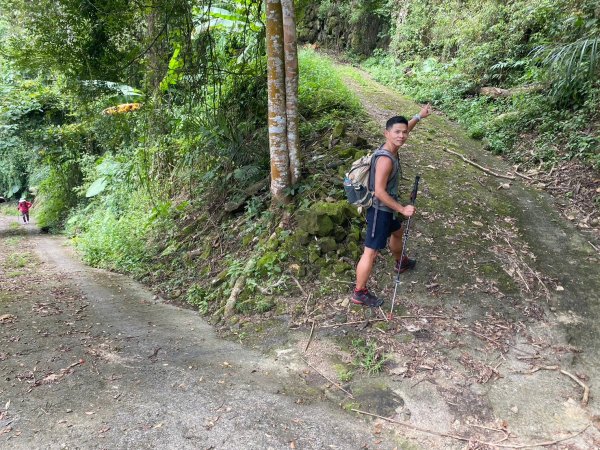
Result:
pixel 504 290
pixel 88 359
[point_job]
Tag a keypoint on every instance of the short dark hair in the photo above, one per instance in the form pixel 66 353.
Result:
pixel 394 120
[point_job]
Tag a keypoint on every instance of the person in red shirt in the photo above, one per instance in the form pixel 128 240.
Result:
pixel 23 208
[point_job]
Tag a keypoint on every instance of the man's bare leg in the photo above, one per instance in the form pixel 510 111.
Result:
pixel 364 267
pixel 396 243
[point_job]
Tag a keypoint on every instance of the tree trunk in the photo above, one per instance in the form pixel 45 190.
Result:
pixel 280 173
pixel 291 87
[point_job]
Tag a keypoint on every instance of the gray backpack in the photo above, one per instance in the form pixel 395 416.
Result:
pixel 357 180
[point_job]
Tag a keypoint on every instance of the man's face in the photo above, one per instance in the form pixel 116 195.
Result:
pixel 397 135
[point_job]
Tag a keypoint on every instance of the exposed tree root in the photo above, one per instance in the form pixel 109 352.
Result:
pixel 238 287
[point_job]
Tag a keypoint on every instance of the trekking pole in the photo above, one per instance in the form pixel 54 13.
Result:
pixel 413 198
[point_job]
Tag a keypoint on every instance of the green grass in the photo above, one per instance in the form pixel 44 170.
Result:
pixel 12 241
pixel 368 357
pixel 16 261
pixel 15 274
pixel 115 240
pixel 322 95
pixel 555 134
pixel 9 209
pixel 344 373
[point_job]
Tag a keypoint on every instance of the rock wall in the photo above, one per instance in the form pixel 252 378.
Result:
pixel 344 25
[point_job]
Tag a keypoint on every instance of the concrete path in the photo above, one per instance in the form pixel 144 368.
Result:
pixel 88 359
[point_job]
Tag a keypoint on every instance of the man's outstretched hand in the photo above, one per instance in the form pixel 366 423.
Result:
pixel 425 111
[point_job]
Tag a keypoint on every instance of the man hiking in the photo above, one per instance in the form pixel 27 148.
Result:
pixel 382 222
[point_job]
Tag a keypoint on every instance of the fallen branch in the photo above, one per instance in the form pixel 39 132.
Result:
pixel 484 169
pixel 312 330
pixel 328 379
pixel 586 389
pixel 524 176
pixel 467 439
pixel 299 285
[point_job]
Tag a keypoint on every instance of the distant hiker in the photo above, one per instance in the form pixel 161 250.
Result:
pixel 23 208
pixel 382 220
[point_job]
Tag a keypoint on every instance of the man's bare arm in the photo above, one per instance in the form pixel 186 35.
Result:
pixel 383 169
pixel 425 111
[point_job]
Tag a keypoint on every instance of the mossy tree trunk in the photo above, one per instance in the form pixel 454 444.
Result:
pixel 291 87
pixel 282 81
pixel 280 173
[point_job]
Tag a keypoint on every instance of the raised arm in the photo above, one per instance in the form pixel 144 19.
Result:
pixel 425 111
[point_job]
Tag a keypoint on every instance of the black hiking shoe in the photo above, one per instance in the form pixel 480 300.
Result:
pixel 406 264
pixel 365 298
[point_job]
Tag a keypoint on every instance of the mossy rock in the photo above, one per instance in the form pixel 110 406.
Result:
pixel 301 237
pixel 354 234
pixel 339 130
pixel 314 253
pixel 345 152
pixel 358 141
pixel 220 278
pixel 339 233
pixel 327 245
pixel 272 244
pixel 360 153
pixel 325 272
pixel 342 267
pixel 315 224
pixel 206 252
pixel 298 253
pixel 266 262
pixel 352 250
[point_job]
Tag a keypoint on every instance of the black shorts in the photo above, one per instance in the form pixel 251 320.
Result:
pixel 385 226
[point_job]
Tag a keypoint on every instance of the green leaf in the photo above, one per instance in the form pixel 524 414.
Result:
pixel 174 73
pixel 96 187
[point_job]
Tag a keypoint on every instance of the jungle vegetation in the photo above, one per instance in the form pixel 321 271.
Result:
pixel 141 127
pixel 522 75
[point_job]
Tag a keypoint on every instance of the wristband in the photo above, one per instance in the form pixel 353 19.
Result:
pixel 417 117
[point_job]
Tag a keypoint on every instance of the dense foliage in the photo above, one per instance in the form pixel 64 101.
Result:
pixel 193 75
pixel 543 58
pixel 140 129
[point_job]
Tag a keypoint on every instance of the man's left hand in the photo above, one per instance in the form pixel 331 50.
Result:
pixel 425 111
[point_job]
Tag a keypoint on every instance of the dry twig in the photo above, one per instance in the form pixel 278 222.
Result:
pixel 467 439
pixel 586 389
pixel 299 285
pixel 328 379
pixel 474 164
pixel 312 330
